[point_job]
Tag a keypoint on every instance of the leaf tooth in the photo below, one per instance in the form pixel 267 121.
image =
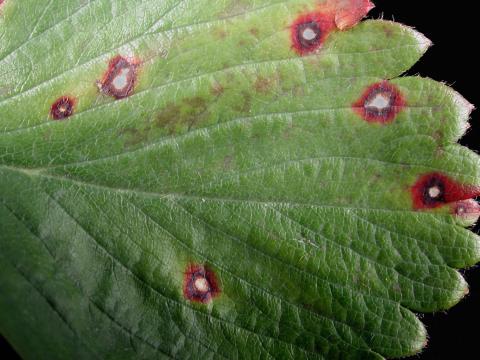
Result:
pixel 464 110
pixel 459 293
pixel 423 42
pixel 418 342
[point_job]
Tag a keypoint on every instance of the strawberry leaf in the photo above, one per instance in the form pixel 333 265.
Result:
pixel 225 179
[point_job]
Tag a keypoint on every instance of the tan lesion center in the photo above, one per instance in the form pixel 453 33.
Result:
pixel 379 102
pixel 201 284
pixel 434 192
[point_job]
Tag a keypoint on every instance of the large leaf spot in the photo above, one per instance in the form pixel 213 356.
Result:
pixel 380 103
pixel 435 190
pixel 120 78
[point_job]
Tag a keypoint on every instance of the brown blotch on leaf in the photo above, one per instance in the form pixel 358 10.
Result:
pixel 438 135
pixel 227 162
pixel 220 33
pixel 196 102
pixel 189 112
pixel 263 85
pixel 254 31
pixel 217 89
pixel 388 31
pixel 134 136
pixel 245 103
pixel 168 118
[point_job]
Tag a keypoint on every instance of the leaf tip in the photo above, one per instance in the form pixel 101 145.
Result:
pixel 464 110
pixel 459 293
pixel 419 341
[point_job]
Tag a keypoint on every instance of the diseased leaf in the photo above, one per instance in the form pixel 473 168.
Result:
pixel 225 179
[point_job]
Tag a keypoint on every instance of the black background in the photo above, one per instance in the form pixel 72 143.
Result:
pixel 452 28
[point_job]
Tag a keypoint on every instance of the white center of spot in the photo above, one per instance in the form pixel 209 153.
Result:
pixel 121 80
pixel 201 284
pixel 380 102
pixel 434 192
pixel 308 34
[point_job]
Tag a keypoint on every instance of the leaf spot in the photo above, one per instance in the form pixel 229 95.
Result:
pixel 263 84
pixel 62 108
pixel 120 78
pixel 435 190
pixel 200 284
pixel 380 103
pixel 467 209
pixel 309 31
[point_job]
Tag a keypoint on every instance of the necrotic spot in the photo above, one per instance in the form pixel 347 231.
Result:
pixel 435 190
pixel 200 284
pixel 62 108
pixel 120 78
pixel 309 32
pixel 467 209
pixel 380 103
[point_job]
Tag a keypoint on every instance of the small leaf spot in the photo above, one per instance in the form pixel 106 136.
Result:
pixel 62 108
pixel 120 78
pixel 380 103
pixel 200 284
pixel 467 209
pixel 309 32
